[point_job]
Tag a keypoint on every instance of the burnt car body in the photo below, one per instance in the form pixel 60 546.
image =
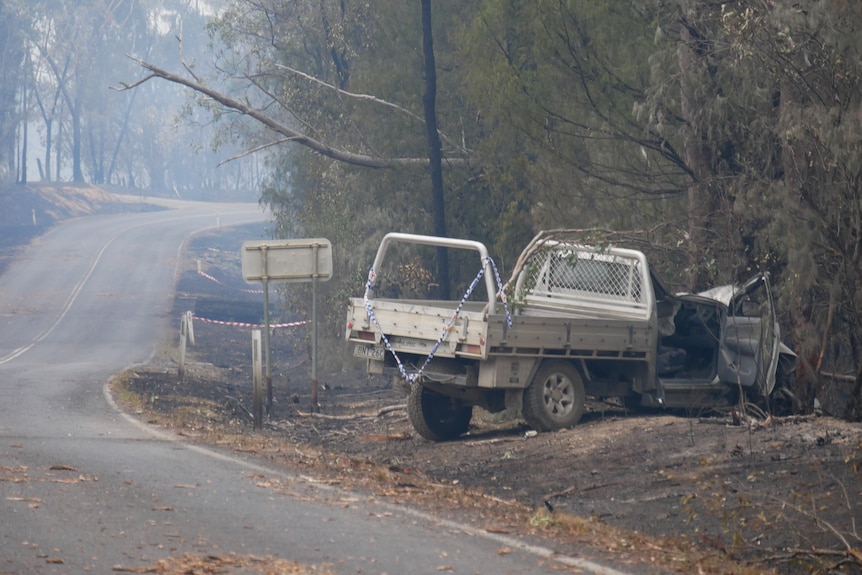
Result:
pixel 719 346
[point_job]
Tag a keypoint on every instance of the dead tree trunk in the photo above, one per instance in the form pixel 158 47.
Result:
pixel 438 206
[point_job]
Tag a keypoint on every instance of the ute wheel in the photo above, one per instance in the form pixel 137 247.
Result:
pixel 436 416
pixel 555 398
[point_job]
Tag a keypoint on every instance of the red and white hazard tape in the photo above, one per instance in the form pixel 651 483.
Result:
pixel 243 324
pixel 209 277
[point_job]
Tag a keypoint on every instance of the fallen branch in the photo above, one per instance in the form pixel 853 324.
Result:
pixel 852 555
pixel 382 437
pixel 390 409
pixel 556 494
pixel 735 420
pixel 237 404
pixel 493 440
pixel 849 553
pixel 287 131
pixel 367 415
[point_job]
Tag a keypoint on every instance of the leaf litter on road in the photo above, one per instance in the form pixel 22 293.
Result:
pixel 191 564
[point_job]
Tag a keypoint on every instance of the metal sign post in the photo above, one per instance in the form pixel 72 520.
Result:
pixel 298 260
pixel 267 364
pixel 315 406
pixel 257 389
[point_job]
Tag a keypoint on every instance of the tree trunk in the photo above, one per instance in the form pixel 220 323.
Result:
pixel 49 129
pixel 77 172
pixel 695 154
pixel 12 52
pixel 58 163
pixel 438 206
pixel 25 125
pixel 123 130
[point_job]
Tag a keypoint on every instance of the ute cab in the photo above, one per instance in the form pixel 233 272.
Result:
pixel 716 346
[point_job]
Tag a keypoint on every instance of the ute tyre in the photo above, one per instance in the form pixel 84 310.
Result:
pixel 435 416
pixel 555 399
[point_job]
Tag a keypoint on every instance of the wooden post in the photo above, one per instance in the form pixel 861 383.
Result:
pixel 181 372
pixel 190 327
pixel 187 335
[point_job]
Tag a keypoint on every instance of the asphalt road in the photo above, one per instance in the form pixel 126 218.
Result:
pixel 86 488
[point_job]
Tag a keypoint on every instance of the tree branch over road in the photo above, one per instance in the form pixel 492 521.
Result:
pixel 292 135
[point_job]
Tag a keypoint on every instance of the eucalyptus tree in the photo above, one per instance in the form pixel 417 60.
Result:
pixel 77 51
pixel 14 23
pixel 801 183
pixel 764 100
pixel 344 81
pixel 168 141
pixel 351 83
pixel 67 41
pixel 563 97
pixel 75 43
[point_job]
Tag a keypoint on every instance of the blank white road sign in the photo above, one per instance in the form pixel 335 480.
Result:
pixel 287 260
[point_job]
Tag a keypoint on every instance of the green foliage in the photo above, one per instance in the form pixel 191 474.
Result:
pixel 810 197
pixel 351 77
pixel 725 138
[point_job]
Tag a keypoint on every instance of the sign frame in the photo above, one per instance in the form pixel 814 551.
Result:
pixel 289 261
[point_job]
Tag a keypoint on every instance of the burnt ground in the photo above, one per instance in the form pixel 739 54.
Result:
pixel 669 490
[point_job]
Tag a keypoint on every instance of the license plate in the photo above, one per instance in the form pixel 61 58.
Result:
pixel 368 351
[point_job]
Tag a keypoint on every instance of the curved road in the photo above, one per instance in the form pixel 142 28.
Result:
pixel 85 488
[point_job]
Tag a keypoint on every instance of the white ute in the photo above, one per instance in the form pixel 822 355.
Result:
pixel 580 320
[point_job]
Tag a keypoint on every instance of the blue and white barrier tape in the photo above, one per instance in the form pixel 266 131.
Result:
pixel 412 378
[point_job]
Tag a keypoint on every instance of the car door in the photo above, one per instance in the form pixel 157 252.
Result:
pixel 748 350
